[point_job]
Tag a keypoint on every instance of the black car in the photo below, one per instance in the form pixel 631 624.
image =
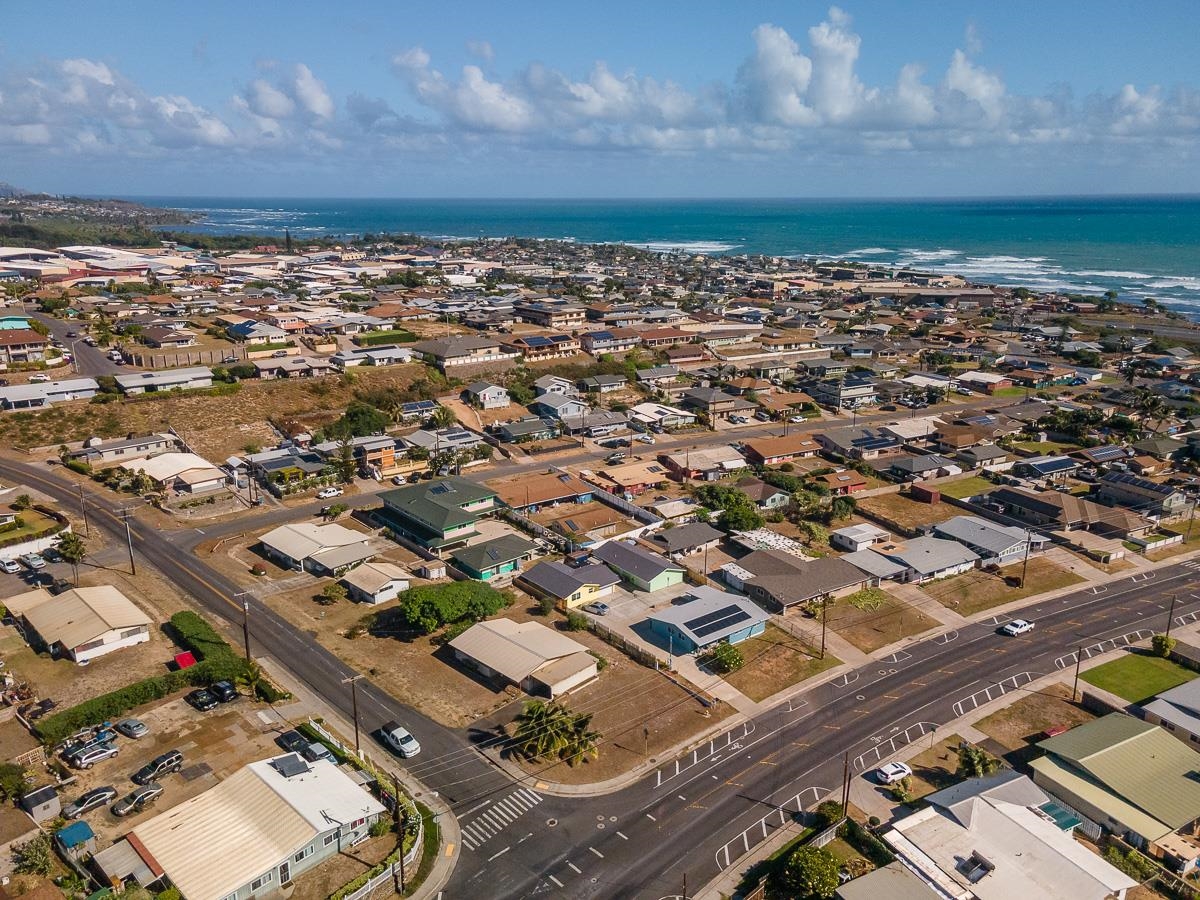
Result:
pixel 165 764
pixel 292 741
pixel 224 691
pixel 89 801
pixel 201 699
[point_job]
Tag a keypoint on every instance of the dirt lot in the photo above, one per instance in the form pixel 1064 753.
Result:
pixel 776 660
pixel 1022 723
pixel 215 427
pixel 976 590
pixel 214 746
pixel 935 768
pixel 905 513
pixel 319 882
pixel 871 625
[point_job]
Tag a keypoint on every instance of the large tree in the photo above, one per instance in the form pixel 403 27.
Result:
pixel 810 872
pixel 72 549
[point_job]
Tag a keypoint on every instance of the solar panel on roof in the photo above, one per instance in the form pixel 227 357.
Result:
pixel 1054 465
pixel 537 341
pixel 290 765
pixel 1106 454
pixel 724 618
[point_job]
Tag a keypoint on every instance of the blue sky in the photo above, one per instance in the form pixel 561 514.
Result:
pixel 613 99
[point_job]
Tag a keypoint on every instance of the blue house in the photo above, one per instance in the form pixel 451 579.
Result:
pixel 708 617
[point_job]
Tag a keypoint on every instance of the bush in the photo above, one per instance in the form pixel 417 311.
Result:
pixel 866 843
pixel 426 609
pixel 725 658
pixel 827 813
pixel 33 857
pixel 1132 863
pixel 1162 645
pixel 545 605
pixel 268 693
pixel 576 621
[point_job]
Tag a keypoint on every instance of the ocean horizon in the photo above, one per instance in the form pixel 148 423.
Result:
pixel 1138 245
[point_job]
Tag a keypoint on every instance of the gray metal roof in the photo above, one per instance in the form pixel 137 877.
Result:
pixel 637 562
pixel 978 533
pixel 560 580
pixel 711 615
pixel 929 555
pixel 684 537
pixel 872 563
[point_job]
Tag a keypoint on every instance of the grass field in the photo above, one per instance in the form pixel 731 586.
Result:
pixel 1047 448
pixel 884 620
pixel 976 590
pixel 906 513
pixel 1137 676
pixel 776 660
pixel 966 487
pixel 1024 721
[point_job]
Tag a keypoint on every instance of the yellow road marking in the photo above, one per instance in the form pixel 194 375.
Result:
pixel 450 849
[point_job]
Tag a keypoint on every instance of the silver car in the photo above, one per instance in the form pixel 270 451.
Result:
pixel 89 756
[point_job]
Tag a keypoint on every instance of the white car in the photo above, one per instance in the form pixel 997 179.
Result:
pixel 11 566
pixel 890 773
pixel 1017 626
pixel 39 378
pixel 327 493
pixel 400 739
pixel 645 438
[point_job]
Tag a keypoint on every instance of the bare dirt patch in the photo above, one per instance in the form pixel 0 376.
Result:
pixel 776 660
pixel 906 515
pixel 877 622
pixel 1023 722
pixel 975 591
pixel 322 880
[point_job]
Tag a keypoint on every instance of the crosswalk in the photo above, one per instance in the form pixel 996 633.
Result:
pixel 497 817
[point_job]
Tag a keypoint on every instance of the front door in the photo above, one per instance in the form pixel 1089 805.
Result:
pixel 285 873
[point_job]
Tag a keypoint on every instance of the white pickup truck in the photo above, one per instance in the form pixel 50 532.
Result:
pixel 400 739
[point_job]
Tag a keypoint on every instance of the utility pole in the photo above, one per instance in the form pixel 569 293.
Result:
pixel 845 782
pixel 1025 567
pixel 1191 519
pixel 129 541
pixel 824 619
pixel 1171 614
pixel 685 886
pixel 400 823
pixel 87 530
pixel 353 682
pixel 1078 663
pixel 245 595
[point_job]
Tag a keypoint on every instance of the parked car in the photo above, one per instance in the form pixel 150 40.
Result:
pixel 137 800
pixel 39 378
pixel 279 354
pixel 615 458
pixel 201 699
pixel 89 756
pixel 795 419
pixel 164 764
pixel 327 493
pixel 229 359
pixel 88 801
pixel 11 566
pixel 292 742
pixel 400 739
pixel 224 691
pixel 1017 626
pixel 316 750
pixel 597 609
pixel 132 728
pixel 34 561
pixel 763 416
pixel 645 438
pixel 890 773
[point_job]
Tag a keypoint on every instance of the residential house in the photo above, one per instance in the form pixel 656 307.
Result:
pixel 642 569
pixel 603 384
pixel 614 340
pixel 994 838
pixel 658 376
pixel 706 617
pixel 1046 468
pixel 96 452
pixel 1142 495
pixel 386 355
pixel 921 467
pixel 1055 510
pixel 929 558
pixel 486 395
pixel 1131 778
pixel 438 514
pixel 528 493
pixel 496 558
pixel 764 496
pixel 330 549
pixel 169 338
pixel 666 337
pixel 996 545
pixel 39 396
pixel 857 442
pixel 557 406
pixel 844 482
pixel 537 347
pixel 81 624
pixel 460 353
pixel 985 382
pixel 571 586
pixel 554 384
pixel 783 582
pixel 22 345
pixel 551 315
pixel 375 582
pixel 185 379
pixel 849 392
pixel 983 456
pixel 686 540
pixel 658 415
pixel 853 538
pixel 772 451
pixel 706 463
pixel 952 438
pixel 253 332
pixel 454 439
pixel 185 473
pixel 632 478
pixel 528 428
pixel 1177 710
pixel 300 814
pixel 714 403
pixel 538 660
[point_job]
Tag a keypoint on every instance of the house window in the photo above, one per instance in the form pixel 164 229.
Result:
pixel 258 883
pixel 304 854
pixel 357 823
pixel 330 838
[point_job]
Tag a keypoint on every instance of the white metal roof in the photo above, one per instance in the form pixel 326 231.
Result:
pixel 514 649
pixel 78 616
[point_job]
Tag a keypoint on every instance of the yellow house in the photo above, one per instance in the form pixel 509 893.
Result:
pixel 570 587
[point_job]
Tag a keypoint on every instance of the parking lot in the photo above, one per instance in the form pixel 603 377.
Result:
pixel 214 745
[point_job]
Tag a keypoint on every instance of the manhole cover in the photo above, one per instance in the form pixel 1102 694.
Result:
pixel 551 822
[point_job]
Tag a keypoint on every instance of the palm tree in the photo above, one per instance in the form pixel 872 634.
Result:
pixel 443 417
pixel 583 741
pixel 250 677
pixel 543 730
pixel 73 550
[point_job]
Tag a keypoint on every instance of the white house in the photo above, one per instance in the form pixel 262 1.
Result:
pixel 83 623
pixel 853 538
pixel 375 582
pixel 168 380
pixel 320 549
pixel 183 472
pixel 486 395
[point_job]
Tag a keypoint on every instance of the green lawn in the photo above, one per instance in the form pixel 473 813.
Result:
pixel 966 487
pixel 1009 392
pixel 1137 676
pixel 1047 448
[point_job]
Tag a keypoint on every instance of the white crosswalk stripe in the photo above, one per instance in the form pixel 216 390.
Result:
pixel 490 822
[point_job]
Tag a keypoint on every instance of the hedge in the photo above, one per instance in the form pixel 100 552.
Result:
pixel 866 843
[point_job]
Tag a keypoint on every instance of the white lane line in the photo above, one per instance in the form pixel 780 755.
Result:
pixel 681 797
pixel 474 809
pixel 498 855
pixel 651 818
pixel 555 880
pixel 621 836
pixel 597 852
pixel 575 867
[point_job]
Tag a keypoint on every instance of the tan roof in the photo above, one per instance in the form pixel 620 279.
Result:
pixel 537 488
pixel 514 649
pixel 169 466
pixel 634 473
pixel 303 539
pixel 80 615
pixel 792 444
pixel 374 576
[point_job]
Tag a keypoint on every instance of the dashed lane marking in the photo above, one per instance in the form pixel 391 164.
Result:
pixel 555 880
pixel 574 868
pixel 597 852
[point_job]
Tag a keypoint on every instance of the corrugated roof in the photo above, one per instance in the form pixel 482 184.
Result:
pixel 303 539
pixel 1138 762
pixel 79 615
pixel 514 649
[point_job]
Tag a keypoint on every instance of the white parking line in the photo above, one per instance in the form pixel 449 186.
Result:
pixel 575 867
pixel 555 880
pixel 597 852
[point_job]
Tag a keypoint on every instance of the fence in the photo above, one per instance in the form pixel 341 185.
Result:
pixel 182 358
pixel 527 524
pixel 634 651
pixel 620 504
pixel 1166 881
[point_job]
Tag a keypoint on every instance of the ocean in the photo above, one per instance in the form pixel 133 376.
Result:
pixel 1139 246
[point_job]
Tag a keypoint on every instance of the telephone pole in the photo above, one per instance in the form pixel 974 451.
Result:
pixel 1171 614
pixel 129 541
pixel 245 595
pixel 1025 567
pixel 824 620
pixel 845 782
pixel 1078 663
pixel 353 682
pixel 87 530
pixel 400 822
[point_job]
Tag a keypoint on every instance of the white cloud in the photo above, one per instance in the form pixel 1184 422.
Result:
pixel 774 80
pixel 311 93
pixel 976 85
pixel 269 102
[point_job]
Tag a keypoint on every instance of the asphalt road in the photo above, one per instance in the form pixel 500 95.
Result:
pixel 89 361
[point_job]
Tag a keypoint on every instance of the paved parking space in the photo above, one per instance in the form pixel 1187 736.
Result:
pixel 627 608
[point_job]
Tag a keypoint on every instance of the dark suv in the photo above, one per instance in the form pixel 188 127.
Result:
pixel 224 691
pixel 171 761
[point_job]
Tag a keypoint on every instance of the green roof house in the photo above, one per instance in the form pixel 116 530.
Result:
pixel 438 514
pixel 1132 778
pixel 495 558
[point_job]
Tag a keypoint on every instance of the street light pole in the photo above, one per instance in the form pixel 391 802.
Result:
pixel 353 682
